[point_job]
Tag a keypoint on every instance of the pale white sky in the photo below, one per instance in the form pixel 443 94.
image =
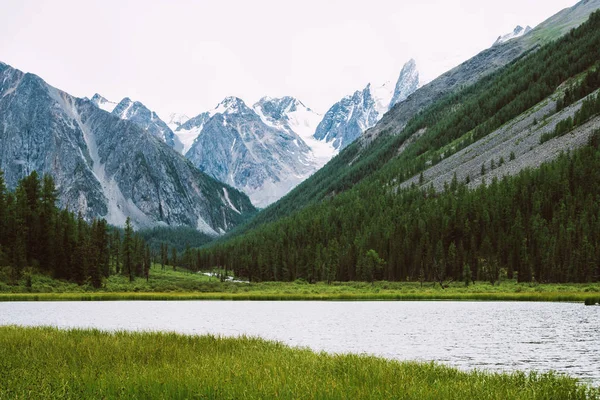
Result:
pixel 186 56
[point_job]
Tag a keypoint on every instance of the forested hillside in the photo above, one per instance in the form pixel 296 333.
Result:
pixel 538 225
pixel 541 225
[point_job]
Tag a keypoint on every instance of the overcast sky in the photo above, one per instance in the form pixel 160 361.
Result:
pixel 186 56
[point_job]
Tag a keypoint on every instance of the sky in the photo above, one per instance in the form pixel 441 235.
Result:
pixel 185 56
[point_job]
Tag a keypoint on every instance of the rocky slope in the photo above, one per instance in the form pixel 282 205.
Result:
pixel 520 137
pixel 482 64
pixel 105 166
pixel 255 154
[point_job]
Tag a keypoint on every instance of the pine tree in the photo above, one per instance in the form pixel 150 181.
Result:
pixel 48 212
pixel 128 250
pixel 174 258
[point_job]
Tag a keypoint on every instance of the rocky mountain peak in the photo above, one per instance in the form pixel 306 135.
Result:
pixel 517 32
pixel 407 83
pixel 103 103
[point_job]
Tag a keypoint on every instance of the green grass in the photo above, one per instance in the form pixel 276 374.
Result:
pixel 183 285
pixel 45 363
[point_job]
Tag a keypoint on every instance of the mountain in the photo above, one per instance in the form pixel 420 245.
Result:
pixel 346 120
pixel 407 83
pixel 149 121
pixel 105 166
pixel 517 32
pixel 175 120
pixel 390 138
pixel 492 175
pixel 292 115
pixel 103 103
pixel 188 131
pixel 482 64
pixel 235 145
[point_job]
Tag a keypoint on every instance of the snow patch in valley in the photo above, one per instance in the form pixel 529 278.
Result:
pixel 228 200
pixel 187 137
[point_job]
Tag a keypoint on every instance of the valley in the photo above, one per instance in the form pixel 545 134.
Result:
pixel 425 236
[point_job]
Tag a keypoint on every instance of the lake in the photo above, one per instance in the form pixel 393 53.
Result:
pixel 497 336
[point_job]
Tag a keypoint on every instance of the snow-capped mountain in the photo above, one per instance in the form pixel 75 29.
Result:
pixel 517 32
pixel 175 120
pixel 146 119
pixel 350 117
pixel 258 154
pixel 293 116
pixel 105 166
pixel 139 114
pixel 103 103
pixel 189 131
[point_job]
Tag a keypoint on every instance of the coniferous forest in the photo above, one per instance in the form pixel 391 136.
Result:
pixel 538 226
pixel 34 232
pixel 541 225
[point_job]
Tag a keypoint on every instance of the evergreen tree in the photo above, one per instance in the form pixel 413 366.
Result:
pixel 128 250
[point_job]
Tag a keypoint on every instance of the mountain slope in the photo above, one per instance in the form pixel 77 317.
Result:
pixel 104 166
pixel 291 115
pixel 236 146
pixel 389 138
pixel 103 103
pixel 539 226
pixel 149 121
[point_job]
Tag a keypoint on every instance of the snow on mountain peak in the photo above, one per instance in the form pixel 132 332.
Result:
pixel 102 103
pixel 229 105
pixel 517 32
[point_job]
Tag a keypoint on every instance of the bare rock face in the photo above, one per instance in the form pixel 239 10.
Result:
pixel 346 120
pixel 105 166
pixel 248 151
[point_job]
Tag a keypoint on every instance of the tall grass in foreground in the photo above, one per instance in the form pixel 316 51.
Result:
pixel 49 363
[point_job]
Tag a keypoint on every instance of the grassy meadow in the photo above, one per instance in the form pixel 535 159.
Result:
pixel 169 284
pixel 48 363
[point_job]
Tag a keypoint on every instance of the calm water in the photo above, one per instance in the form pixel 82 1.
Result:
pixel 486 335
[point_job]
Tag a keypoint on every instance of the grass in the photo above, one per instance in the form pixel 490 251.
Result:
pixel 46 363
pixel 183 285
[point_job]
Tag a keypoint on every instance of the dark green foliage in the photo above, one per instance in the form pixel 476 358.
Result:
pixel 541 225
pixel 590 83
pixel 128 250
pixel 35 233
pixel 589 108
pixel 176 237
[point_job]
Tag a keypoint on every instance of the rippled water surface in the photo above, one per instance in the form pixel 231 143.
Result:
pixel 486 335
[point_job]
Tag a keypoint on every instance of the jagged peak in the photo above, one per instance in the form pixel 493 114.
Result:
pixel 517 32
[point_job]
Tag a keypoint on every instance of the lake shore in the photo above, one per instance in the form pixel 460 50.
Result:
pixel 53 363
pixel 285 296
pixel 168 284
